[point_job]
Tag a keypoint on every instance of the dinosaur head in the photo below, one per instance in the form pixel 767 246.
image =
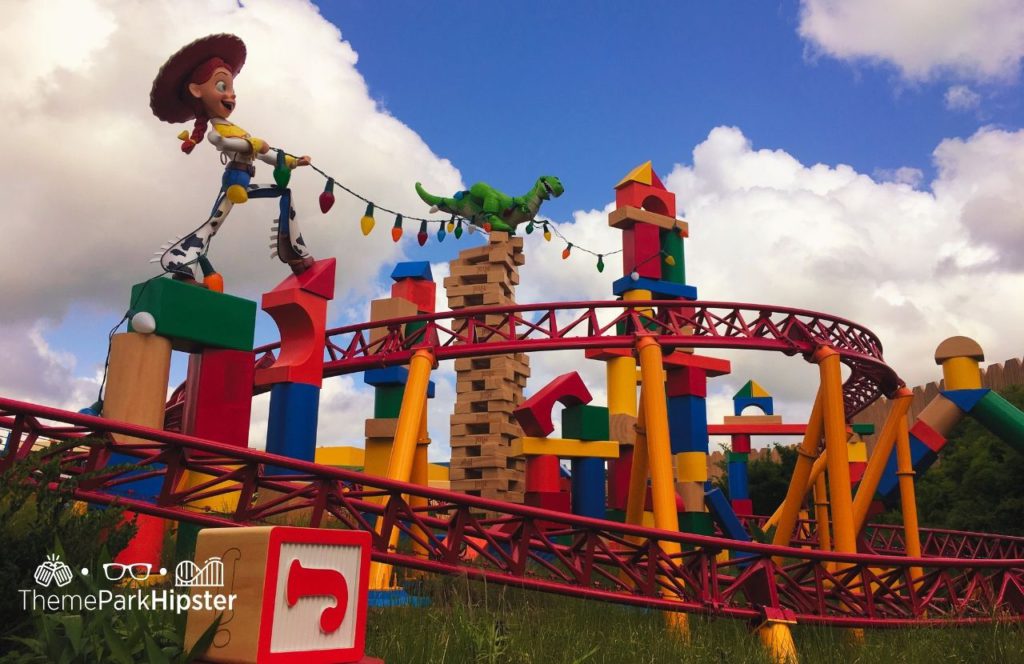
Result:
pixel 550 187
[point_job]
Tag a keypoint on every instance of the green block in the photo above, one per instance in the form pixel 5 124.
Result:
pixel 194 318
pixel 698 523
pixel 864 429
pixel 585 423
pixel 185 541
pixel 672 245
pixel 615 515
pixel 387 401
pixel 412 328
pixel 738 456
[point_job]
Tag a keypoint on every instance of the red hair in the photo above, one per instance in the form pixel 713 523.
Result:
pixel 200 75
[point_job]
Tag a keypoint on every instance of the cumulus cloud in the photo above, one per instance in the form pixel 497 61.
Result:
pixel 962 98
pixel 975 40
pixel 35 371
pixel 101 182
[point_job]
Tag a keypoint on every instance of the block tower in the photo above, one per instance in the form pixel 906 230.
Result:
pixel 489 388
pixel 750 395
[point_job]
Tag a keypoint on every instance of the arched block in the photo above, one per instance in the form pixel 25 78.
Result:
pixel 534 414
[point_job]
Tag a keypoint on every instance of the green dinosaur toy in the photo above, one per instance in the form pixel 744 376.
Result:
pixel 484 206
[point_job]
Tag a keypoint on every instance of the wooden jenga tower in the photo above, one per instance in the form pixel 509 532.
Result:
pixel 488 388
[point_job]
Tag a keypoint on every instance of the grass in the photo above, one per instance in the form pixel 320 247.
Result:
pixel 470 622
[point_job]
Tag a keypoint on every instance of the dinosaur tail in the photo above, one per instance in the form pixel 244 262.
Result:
pixel 427 197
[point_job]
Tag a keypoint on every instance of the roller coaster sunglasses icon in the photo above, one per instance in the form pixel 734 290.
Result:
pixel 117 571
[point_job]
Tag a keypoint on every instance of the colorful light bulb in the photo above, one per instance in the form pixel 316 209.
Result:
pixel 421 237
pixel 547 233
pixel 367 222
pixel 600 263
pixel 327 197
pixel 566 251
pixel 396 230
pixel 458 230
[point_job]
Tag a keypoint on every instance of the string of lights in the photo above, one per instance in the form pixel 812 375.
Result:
pixel 453 225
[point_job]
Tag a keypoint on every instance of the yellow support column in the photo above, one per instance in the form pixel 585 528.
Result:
pixel 659 455
pixel 403 452
pixel 807 451
pixel 420 476
pixel 776 637
pixel 880 456
pixel 843 535
pixel 638 472
pixel 908 502
pixel 817 469
pixel 821 520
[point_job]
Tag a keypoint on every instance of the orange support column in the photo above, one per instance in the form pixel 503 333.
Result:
pixel 838 465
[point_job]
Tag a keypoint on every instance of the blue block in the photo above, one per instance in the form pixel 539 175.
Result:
pixel 146 489
pixel 412 270
pixel 291 426
pixel 723 514
pixel 688 424
pixel 738 480
pixel 393 376
pixel 921 457
pixel 397 597
pixel 588 482
pixel 660 290
pixel 766 404
pixel 965 400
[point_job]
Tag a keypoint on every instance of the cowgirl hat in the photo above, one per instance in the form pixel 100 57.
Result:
pixel 169 97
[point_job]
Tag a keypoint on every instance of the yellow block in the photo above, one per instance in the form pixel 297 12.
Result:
pixel 224 503
pixel 136 389
pixel 641 174
pixel 857 451
pixel 757 391
pixel 378 453
pixel 437 473
pixel 692 467
pixel 351 457
pixel 565 447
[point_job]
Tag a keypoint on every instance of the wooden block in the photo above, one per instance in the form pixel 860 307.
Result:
pixel 959 347
pixel 137 377
pixel 381 427
pixel 692 494
pixel 622 427
pixel 627 216
pixel 566 448
pixel 752 419
pixel 387 308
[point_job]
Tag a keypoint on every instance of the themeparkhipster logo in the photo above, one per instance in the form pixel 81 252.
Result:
pixel 55 575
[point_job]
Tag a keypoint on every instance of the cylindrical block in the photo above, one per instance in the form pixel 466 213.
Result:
pixel 136 390
pixel 692 467
pixel 961 373
pixel 738 480
pixel 741 443
pixel 588 487
pixel 542 473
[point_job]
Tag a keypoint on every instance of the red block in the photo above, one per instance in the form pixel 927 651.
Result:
pixel 317 280
pixel 148 542
pixel 618 478
pixel 857 469
pixel 218 395
pixel 743 506
pixel 686 382
pixel 557 501
pixel 741 443
pixel 542 473
pixel 641 251
pixel 420 292
pixel 651 197
pixel 929 436
pixel 534 414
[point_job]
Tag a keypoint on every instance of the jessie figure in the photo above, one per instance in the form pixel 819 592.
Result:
pixel 197 83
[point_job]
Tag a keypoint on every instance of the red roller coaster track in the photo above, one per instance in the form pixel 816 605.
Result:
pixel 479 331
pixel 534 548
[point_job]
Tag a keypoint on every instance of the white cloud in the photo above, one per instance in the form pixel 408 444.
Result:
pixel 921 38
pixel 962 98
pixel 902 175
pixel 101 182
pixel 35 371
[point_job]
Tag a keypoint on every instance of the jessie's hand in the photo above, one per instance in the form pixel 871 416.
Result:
pixel 304 160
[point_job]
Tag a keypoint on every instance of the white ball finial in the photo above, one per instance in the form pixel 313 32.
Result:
pixel 144 323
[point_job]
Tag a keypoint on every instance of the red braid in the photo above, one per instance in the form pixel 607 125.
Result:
pixel 200 75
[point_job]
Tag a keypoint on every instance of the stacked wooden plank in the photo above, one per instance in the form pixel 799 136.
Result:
pixel 488 389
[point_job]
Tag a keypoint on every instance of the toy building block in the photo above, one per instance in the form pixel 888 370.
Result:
pixel 588 487
pixel 627 217
pixel 193 318
pixel 387 401
pixel 542 473
pixel 965 400
pixel 296 594
pixel 381 427
pixel 585 422
pixel 343 456
pixel 741 443
pixel 618 478
pixel 385 309
pixel 643 189
pixel 743 506
pixel 723 515
pixel 147 545
pixel 691 496
pixel 641 251
pixel 377 456
pixel 959 346
pixel 764 404
pixel 686 381
pixel 688 424
pixel 672 245
pixel 940 414
pixel 752 390
pixel 698 523
pixel 752 419
pixel 137 376
pixel 565 448
pixel 622 427
pixel 419 292
pixel 412 270
pixel 534 414
pixel 713 366
pixel 863 429
pixel 929 436
pixel 921 456
pixel 661 290
pixel 291 425
pixel 738 482
pixel 317 280
pixel 556 501
pixel 392 376
pixel 218 395
pixel 691 467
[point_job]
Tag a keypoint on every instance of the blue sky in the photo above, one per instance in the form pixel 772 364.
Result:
pixel 864 159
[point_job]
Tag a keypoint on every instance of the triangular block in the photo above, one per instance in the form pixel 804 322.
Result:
pixel 318 279
pixel 965 400
pixel 642 174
